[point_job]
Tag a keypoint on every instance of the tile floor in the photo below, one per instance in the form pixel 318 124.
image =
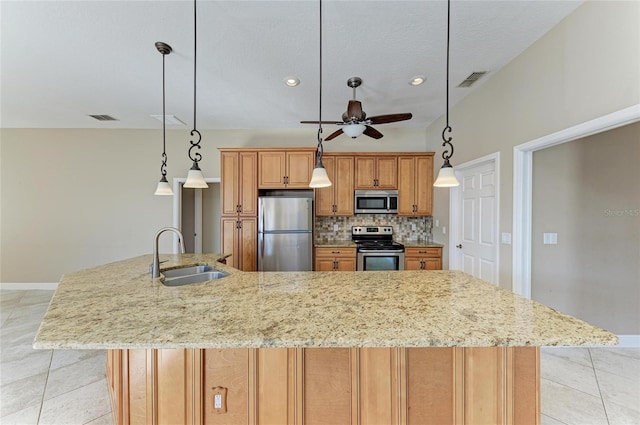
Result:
pixel 580 386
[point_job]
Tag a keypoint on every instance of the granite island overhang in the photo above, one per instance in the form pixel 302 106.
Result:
pixel 425 343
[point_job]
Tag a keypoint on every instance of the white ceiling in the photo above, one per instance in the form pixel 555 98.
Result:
pixel 63 60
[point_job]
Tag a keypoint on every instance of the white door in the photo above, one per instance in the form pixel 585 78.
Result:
pixel 476 235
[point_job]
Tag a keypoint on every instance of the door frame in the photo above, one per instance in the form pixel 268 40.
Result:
pixel 455 198
pixel 523 185
pixel 178 182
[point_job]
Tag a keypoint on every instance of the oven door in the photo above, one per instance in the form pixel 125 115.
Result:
pixel 380 260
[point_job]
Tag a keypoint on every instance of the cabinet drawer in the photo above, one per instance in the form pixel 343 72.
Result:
pixel 336 252
pixel 423 252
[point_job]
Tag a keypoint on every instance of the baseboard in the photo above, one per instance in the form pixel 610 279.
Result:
pixel 629 341
pixel 24 286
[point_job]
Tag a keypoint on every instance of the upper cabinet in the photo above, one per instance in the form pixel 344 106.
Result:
pixel 415 185
pixel 239 178
pixel 376 172
pixel 285 168
pixel 337 199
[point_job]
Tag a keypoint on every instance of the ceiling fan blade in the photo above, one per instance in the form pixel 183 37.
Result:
pixel 354 110
pixel 383 119
pixel 372 132
pixel 323 122
pixel 333 135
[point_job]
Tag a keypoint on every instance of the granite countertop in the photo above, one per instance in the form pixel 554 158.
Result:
pixel 119 306
pixel 334 243
pixel 419 243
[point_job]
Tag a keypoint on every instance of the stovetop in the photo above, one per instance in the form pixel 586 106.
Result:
pixel 374 237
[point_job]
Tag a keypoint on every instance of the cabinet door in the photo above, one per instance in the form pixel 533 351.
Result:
pixel 365 172
pixel 346 264
pixel 229 235
pixel 299 169
pixel 247 244
pixel 433 263
pixel 406 185
pixel 343 183
pixel 229 188
pixel 324 201
pixel 423 185
pixel 324 264
pixel 386 172
pixel 412 263
pixel 248 181
pixel 271 169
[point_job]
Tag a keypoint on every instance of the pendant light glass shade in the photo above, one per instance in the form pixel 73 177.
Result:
pixel 163 188
pixel 195 178
pixel 354 130
pixel 446 176
pixel 319 178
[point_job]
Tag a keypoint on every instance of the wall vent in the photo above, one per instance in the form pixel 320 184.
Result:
pixel 472 78
pixel 103 117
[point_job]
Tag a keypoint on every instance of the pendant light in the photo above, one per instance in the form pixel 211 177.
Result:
pixel 447 176
pixel 319 177
pixel 195 178
pixel 163 185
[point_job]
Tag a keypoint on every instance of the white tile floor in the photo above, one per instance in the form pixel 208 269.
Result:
pixel 580 386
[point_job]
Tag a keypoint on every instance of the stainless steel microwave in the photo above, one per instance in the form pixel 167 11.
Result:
pixel 376 202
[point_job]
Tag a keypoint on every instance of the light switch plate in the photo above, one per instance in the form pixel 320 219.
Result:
pixel 506 238
pixel 437 222
pixel 550 238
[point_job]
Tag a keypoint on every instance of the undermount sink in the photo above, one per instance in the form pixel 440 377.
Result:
pixel 189 275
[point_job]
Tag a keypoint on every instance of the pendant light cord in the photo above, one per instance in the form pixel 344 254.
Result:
pixel 447 140
pixel 195 157
pixel 320 147
pixel 163 167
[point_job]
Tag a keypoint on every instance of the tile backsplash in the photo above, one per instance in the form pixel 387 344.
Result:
pixel 402 226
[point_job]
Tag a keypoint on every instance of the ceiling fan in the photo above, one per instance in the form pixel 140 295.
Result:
pixel 354 120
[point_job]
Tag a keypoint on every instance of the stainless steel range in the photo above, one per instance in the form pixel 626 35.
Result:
pixel 376 249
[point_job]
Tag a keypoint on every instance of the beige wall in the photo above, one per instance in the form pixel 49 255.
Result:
pixel 584 68
pixel 587 192
pixel 73 199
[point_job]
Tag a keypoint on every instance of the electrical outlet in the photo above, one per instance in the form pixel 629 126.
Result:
pixel 444 230
pixel 437 222
pixel 335 227
pixel 413 227
pixel 219 400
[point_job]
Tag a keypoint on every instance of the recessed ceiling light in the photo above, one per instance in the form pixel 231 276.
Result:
pixel 417 80
pixel 291 81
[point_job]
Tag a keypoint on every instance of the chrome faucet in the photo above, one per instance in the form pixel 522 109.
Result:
pixel 155 267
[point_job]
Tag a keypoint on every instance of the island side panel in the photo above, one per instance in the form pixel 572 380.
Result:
pixel 402 386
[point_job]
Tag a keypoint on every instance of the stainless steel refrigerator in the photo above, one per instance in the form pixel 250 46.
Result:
pixel 285 233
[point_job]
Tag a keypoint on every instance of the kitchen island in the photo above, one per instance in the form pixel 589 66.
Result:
pixel 310 347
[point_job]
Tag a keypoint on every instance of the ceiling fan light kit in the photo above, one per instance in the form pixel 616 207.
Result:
pixel 195 178
pixel 163 187
pixel 354 130
pixel 446 175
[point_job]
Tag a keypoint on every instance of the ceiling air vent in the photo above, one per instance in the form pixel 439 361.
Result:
pixel 472 78
pixel 103 117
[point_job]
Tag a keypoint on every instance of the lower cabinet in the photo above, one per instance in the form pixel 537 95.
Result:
pixel 335 259
pixel 240 239
pixel 423 258
pixel 461 385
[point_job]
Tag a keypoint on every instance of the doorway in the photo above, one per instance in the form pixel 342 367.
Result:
pixel 197 213
pixel 473 241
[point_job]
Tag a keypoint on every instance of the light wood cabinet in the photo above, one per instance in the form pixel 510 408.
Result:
pixel 239 183
pixel 415 185
pixel 376 172
pixel 239 238
pixel 335 259
pixel 423 258
pixel 391 386
pixel 337 199
pixel 285 169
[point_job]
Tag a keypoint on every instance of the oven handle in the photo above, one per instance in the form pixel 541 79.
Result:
pixel 381 252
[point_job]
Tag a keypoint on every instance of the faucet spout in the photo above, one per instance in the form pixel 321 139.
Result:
pixel 155 268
